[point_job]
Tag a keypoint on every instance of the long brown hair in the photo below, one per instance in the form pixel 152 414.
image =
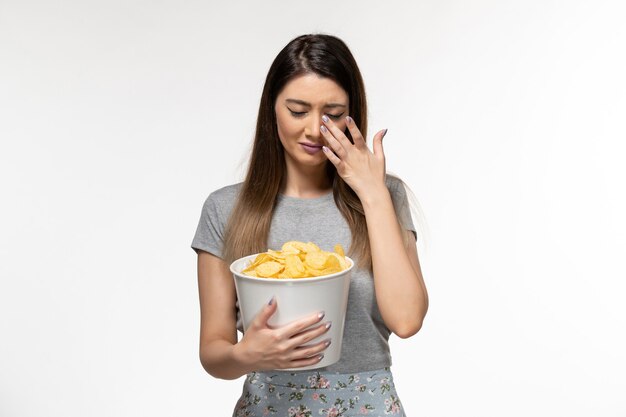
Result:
pixel 249 224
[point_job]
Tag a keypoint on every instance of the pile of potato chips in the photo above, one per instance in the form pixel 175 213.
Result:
pixel 297 260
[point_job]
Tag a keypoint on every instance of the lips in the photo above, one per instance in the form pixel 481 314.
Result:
pixel 311 148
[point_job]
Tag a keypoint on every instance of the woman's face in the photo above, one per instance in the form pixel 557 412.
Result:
pixel 299 109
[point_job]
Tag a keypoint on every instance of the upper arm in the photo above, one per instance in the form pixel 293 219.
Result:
pixel 218 318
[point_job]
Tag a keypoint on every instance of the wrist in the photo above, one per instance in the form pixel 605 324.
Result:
pixel 373 195
pixel 241 357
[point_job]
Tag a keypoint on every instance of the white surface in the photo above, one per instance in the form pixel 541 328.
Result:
pixel 297 299
pixel 505 117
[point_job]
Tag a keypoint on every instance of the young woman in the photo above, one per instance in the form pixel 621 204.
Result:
pixel 312 178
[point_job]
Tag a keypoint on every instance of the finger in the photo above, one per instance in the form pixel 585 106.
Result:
pixel 304 352
pixel 336 132
pixel 296 326
pixel 333 143
pixel 331 156
pixel 357 137
pixel 378 144
pixel 266 312
pixel 305 336
pixel 306 362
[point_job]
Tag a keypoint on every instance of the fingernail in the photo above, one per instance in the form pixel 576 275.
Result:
pixel 323 129
pixel 271 301
pixel 321 315
pixel 330 323
pixel 324 148
pixel 327 343
pixel 384 133
pixel 348 120
pixel 325 118
pixel 321 356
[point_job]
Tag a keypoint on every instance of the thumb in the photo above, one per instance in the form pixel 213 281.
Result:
pixel 266 312
pixel 378 143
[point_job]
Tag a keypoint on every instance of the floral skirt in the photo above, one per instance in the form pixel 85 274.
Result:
pixel 310 393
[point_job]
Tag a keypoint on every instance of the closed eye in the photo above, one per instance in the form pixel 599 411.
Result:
pixel 302 113
pixel 297 113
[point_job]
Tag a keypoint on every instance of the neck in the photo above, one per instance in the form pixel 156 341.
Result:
pixel 304 181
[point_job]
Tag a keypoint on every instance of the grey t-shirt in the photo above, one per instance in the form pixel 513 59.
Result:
pixel 365 341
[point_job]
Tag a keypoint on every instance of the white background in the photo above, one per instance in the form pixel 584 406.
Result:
pixel 506 118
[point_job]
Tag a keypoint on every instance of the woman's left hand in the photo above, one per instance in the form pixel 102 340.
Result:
pixel 360 168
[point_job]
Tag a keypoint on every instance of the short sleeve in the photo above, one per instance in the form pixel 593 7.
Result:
pixel 209 235
pixel 401 203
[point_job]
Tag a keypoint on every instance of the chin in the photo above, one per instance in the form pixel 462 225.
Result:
pixel 312 161
pixel 308 160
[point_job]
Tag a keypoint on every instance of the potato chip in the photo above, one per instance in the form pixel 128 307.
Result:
pixel 297 260
pixel 319 272
pixel 341 259
pixel 294 268
pixel 263 257
pixel 321 260
pixel 269 269
pixel 297 247
pixel 315 260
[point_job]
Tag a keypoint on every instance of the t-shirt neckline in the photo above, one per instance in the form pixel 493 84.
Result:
pixel 300 200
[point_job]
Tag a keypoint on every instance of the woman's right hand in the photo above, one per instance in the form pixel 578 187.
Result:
pixel 264 347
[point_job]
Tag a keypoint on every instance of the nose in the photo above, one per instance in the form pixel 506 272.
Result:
pixel 313 127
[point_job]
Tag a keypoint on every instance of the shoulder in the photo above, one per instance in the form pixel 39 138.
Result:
pixel 223 199
pixel 229 192
pixel 395 185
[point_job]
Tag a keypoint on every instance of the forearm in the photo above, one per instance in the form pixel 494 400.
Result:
pixel 222 359
pixel 400 290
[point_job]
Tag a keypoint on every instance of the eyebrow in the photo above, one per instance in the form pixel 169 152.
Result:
pixel 304 103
